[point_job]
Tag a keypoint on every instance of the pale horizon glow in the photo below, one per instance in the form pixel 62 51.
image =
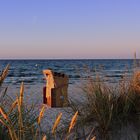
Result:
pixel 69 29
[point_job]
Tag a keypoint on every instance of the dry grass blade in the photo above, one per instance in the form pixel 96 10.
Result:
pixel 4 73
pixel 20 119
pixel 41 114
pixel 73 121
pixel 3 113
pixel 56 122
pixel 13 106
pixel 91 133
pixel 94 138
pixel 21 93
pixel 8 125
pixel 44 138
pixel 136 81
pixel 3 122
pixel 20 102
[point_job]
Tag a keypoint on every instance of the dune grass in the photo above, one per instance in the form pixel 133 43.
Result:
pixel 109 106
pixel 18 120
pixel 21 122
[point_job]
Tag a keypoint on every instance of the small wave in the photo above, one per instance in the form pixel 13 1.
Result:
pixel 114 76
pixel 74 76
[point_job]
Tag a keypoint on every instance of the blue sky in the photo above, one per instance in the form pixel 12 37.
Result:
pixel 69 28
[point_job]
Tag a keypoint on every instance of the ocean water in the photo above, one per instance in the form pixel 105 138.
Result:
pixel 30 71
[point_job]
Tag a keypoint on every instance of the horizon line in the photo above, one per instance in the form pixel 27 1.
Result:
pixel 68 59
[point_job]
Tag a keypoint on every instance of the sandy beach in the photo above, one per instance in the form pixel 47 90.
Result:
pixel 33 94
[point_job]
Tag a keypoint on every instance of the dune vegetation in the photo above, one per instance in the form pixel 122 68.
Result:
pixel 106 110
pixel 110 107
pixel 20 121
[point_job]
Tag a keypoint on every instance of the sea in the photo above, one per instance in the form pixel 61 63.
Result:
pixel 30 71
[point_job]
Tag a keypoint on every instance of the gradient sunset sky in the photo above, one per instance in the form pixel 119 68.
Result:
pixel 69 28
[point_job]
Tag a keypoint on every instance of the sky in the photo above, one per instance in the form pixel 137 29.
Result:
pixel 69 29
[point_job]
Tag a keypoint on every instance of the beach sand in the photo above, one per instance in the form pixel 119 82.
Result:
pixel 33 94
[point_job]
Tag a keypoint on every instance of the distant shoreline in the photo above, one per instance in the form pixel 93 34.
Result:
pixel 59 59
